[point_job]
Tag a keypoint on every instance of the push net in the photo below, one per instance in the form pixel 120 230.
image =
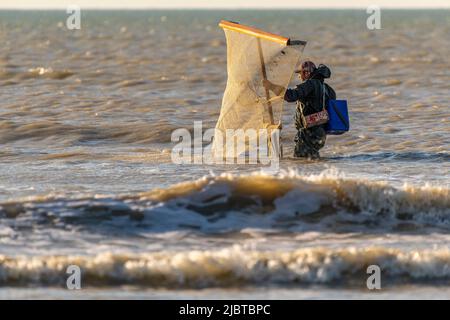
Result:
pixel 252 56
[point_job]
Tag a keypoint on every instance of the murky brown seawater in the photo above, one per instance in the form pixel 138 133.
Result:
pixel 86 118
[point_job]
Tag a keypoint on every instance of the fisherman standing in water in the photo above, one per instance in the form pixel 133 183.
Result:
pixel 312 96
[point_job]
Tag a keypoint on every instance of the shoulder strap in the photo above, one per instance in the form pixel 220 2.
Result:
pixel 324 90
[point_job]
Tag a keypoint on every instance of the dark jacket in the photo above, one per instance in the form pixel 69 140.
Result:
pixel 309 93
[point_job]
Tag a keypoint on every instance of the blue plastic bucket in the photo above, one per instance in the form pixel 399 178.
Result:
pixel 338 114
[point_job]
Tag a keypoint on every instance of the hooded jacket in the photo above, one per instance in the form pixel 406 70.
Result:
pixel 310 94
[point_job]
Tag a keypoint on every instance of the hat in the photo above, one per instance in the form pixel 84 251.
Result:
pixel 306 66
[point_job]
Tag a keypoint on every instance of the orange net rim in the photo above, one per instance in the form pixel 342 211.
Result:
pixel 234 26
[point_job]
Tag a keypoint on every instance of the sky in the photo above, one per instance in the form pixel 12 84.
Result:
pixel 232 4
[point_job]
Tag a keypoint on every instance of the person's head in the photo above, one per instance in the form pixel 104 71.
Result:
pixel 306 70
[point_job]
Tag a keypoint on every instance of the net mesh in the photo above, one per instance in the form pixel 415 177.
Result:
pixel 246 103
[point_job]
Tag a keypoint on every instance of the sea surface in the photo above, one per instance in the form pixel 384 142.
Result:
pixel 86 176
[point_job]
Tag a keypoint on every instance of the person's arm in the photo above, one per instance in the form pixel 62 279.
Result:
pixel 298 93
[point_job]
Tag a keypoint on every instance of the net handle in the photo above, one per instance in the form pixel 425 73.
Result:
pixel 264 75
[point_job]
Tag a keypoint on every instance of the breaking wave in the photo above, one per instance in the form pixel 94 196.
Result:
pixel 231 266
pixel 224 203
